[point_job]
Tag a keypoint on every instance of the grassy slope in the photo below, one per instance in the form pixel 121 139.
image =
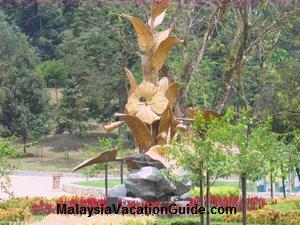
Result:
pixel 56 153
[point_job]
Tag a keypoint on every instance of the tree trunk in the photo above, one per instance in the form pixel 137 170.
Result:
pixel 192 65
pixel 122 96
pixel 298 173
pixel 24 144
pixel 121 172
pixel 75 142
pixel 244 198
pixel 283 187
pixel 75 133
pixel 106 180
pixel 56 95
pixel 207 199
pixel 201 192
pixel 271 181
pixel 236 63
pixel 176 13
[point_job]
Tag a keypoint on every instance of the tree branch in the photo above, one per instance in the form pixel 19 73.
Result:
pixel 242 56
pixel 176 13
pixel 269 28
pixel 192 65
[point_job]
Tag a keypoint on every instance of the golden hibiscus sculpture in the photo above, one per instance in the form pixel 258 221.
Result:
pixel 149 110
pixel 147 102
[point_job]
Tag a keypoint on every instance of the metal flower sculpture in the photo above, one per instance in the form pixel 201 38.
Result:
pixel 147 102
pixel 149 110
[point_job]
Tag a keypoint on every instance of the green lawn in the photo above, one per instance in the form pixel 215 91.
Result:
pixel 114 182
pixel 99 183
pixel 250 186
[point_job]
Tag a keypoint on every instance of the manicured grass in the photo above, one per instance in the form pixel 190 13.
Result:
pixel 99 183
pixel 291 204
pixel 250 186
pixel 114 182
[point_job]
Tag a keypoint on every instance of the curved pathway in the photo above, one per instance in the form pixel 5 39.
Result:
pixel 38 184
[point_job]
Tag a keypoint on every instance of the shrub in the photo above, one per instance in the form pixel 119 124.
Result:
pixel 285 204
pixel 267 216
pixel 81 201
pixel 225 191
pixel 97 220
pixel 253 203
pixel 23 203
pixel 176 221
pixel 294 201
pixel 42 206
pixel 180 221
pixel 14 215
pixel 221 191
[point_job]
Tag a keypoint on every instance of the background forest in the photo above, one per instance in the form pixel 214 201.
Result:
pixel 61 64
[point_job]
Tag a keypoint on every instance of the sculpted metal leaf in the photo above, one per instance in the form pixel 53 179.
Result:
pixel 144 35
pixel 159 57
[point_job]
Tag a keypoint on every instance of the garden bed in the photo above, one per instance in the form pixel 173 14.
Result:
pixel 263 212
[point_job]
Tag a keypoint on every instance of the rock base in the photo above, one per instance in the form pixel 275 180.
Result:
pixel 149 184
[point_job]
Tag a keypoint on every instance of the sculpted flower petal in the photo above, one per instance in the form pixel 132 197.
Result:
pixel 163 84
pixel 159 103
pixel 147 102
pixel 147 115
pixel 133 105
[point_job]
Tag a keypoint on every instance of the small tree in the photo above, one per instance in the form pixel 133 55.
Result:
pixel 253 141
pixel 73 111
pixel 26 101
pixel 106 144
pixel 288 158
pixel 273 160
pixel 209 151
pixel 6 152
pixel 89 151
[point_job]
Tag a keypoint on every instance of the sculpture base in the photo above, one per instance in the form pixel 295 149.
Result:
pixel 150 184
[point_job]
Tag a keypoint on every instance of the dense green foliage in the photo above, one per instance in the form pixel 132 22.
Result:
pixel 91 43
pixel 54 73
pixel 24 108
pixel 83 48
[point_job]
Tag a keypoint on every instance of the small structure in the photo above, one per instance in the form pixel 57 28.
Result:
pixel 56 180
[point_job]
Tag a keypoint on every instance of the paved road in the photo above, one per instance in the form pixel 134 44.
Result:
pixel 37 184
